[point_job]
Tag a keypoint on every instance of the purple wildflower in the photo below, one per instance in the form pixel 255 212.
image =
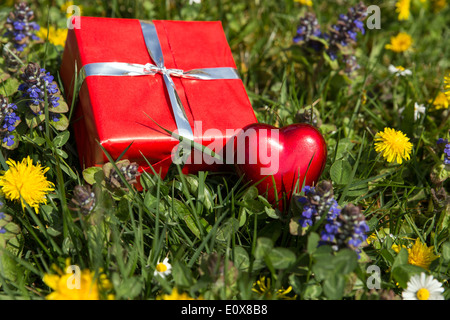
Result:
pixel 318 201
pixel 8 121
pixel 348 230
pixel 19 27
pixel 36 83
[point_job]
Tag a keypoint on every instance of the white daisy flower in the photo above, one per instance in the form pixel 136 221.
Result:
pixel 423 287
pixel 195 1
pixel 399 71
pixel 163 268
pixel 418 109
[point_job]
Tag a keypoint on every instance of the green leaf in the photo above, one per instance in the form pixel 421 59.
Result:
pixel 281 258
pixel 182 275
pixel 272 230
pixel 340 172
pixel 333 287
pixel 129 288
pixel 242 216
pixel 62 153
pixel 344 146
pixel 253 206
pixel 151 201
pixel 296 283
pixel 332 63
pixel 61 139
pixel 272 213
pixel 345 261
pixel 62 107
pixel 327 264
pixel 9 267
pixel 403 273
pixel 387 255
pixel 439 173
pixel 358 188
pixel 183 211
pixel 313 241
pixel 89 174
pixel 227 229
pixel 250 194
pixel 263 247
pixel 14 145
pixel 446 251
pixel 38 140
pixel 53 232
pixel 312 291
pixel 33 121
pixel 200 191
pixel 62 124
pixel 10 242
pixel 322 269
pixel 241 258
pixel 9 87
pixel 444 218
pixel 401 258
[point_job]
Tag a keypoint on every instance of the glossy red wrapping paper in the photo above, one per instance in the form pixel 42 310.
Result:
pixel 111 109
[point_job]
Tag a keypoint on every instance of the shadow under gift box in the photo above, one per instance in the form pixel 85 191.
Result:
pixel 114 109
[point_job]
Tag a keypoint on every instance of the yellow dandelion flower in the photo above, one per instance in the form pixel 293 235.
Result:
pixel 440 102
pixel 26 182
pixel 175 295
pixel 397 247
pixel 372 238
pixel 263 287
pixel 399 43
pixel 55 36
pixel 447 85
pixel 402 8
pixel 393 145
pixel 421 255
pixel 438 5
pixel 81 285
pixel 305 2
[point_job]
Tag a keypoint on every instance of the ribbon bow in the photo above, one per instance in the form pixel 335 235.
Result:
pixel 155 52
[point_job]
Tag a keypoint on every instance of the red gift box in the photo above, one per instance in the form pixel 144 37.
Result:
pixel 112 109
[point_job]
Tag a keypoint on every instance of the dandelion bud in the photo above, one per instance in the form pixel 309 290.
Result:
pixel 84 199
pixel 128 170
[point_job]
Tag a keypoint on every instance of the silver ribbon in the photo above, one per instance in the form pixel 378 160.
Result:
pixel 155 52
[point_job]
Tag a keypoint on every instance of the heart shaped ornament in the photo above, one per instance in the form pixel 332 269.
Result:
pixel 281 158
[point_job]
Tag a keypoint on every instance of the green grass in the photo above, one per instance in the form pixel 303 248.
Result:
pixel 219 234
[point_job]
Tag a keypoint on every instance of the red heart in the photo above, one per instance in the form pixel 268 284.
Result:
pixel 288 153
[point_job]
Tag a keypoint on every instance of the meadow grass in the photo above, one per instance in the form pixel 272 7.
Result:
pixel 219 234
